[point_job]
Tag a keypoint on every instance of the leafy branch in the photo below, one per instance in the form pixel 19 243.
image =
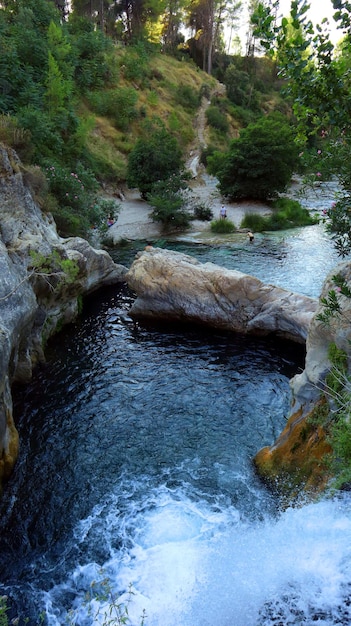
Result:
pixel 65 271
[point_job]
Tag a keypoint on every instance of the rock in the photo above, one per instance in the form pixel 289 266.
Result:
pixel 297 459
pixel 174 286
pixel 32 306
pixel 307 386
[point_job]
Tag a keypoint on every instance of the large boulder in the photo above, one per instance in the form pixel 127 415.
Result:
pixel 174 286
pixel 33 304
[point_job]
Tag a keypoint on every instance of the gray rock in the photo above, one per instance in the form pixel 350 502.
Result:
pixel 174 286
pixel 308 385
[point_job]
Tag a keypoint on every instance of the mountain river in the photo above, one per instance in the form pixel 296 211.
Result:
pixel 135 471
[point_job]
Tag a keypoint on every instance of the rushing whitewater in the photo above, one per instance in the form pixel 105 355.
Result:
pixel 196 563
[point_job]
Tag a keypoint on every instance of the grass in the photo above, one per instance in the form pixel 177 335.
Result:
pixel 222 226
pixel 286 214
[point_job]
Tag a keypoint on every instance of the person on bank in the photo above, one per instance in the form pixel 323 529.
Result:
pixel 223 212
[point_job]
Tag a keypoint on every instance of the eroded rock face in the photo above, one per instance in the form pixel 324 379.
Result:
pixel 170 285
pixel 297 457
pixel 307 386
pixel 30 305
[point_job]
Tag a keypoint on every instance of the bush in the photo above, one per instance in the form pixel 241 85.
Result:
pixel 187 97
pixel 155 157
pixel 254 222
pixel 260 163
pixel 118 104
pixel 286 214
pixel 168 203
pixel 222 226
pixel 203 212
pixel 217 119
pixel 75 195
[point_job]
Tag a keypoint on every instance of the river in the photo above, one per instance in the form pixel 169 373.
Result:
pixel 136 468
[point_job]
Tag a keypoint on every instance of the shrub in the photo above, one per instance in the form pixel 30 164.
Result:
pixel 118 104
pixel 217 119
pixel 254 222
pixel 155 157
pixel 75 194
pixel 187 97
pixel 205 153
pixel 259 164
pixel 203 212
pixel 168 203
pixel 293 212
pixel 286 214
pixel 222 226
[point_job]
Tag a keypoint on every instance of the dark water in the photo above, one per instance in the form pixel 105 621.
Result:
pixel 136 466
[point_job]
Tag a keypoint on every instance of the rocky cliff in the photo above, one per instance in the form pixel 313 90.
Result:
pixel 175 286
pixel 35 301
pixel 297 459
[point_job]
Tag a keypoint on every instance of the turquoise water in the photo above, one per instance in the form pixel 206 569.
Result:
pixel 297 259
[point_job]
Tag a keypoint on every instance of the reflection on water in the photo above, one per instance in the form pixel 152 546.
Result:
pixel 298 259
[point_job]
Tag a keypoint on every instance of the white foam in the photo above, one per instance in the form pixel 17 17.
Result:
pixel 195 563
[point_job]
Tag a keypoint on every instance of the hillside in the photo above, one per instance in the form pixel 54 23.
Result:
pixel 159 86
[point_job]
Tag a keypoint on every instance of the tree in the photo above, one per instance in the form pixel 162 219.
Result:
pixel 156 156
pixel 206 19
pixel 320 89
pixel 172 21
pixel 258 164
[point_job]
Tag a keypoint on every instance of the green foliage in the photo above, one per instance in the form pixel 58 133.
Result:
pixel 168 203
pixel 135 63
pixel 3 611
pixel 240 88
pixel 187 97
pixel 206 152
pixel 254 222
pixel 155 157
pixel 217 119
pixel 203 212
pixel 292 213
pixel 319 87
pixel 259 164
pixel 338 223
pixel 118 104
pixel 222 226
pixel 332 305
pixel 286 214
pixel 90 51
pixel 55 269
pixel 75 194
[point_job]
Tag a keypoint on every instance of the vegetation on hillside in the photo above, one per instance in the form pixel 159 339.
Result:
pixel 81 87
pixel 78 92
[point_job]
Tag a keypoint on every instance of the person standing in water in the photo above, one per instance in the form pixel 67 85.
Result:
pixel 250 236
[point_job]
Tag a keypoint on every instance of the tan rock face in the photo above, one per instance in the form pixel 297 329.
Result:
pixel 29 309
pixel 171 285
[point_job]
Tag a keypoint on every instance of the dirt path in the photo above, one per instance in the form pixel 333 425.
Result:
pixel 134 220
